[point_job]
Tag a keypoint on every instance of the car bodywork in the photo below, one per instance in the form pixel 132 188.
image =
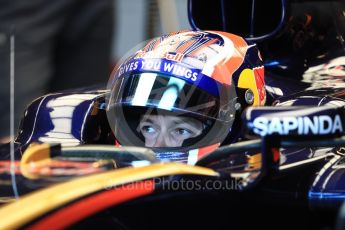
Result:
pixel 70 119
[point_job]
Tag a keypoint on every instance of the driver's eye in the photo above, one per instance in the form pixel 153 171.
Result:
pixel 183 132
pixel 148 129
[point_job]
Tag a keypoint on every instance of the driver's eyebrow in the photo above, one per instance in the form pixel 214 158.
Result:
pixel 147 119
pixel 185 120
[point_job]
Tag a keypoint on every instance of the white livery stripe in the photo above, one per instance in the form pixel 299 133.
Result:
pixel 193 156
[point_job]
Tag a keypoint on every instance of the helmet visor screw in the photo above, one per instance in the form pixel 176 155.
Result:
pixel 249 97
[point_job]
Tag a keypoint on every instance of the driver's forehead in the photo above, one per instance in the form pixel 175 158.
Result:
pixel 169 119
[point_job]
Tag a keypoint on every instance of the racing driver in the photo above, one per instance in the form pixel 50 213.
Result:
pixel 181 93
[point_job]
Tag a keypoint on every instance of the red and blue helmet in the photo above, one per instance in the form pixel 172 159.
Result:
pixel 180 93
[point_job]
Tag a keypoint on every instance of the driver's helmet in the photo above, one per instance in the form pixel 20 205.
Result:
pixel 181 93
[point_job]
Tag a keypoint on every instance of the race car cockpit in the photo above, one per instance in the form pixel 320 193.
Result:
pixel 271 125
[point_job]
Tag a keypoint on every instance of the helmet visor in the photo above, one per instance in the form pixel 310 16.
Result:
pixel 151 90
